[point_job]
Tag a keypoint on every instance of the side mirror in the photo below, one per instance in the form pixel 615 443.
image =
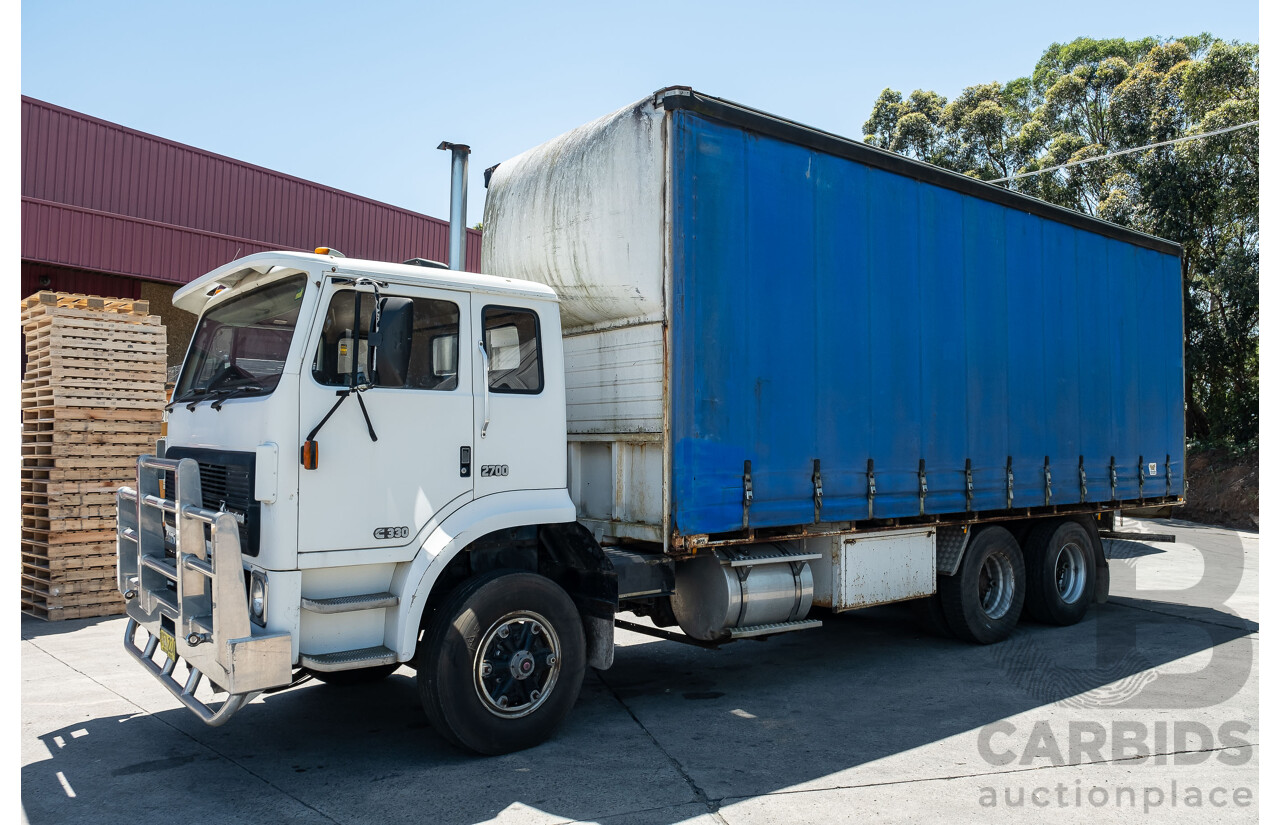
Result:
pixel 393 340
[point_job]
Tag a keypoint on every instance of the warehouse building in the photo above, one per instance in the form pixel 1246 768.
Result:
pixel 111 211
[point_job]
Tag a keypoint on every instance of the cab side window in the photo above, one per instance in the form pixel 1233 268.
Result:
pixel 511 338
pixel 433 361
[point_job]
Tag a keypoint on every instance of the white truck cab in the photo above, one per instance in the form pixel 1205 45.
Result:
pixel 288 526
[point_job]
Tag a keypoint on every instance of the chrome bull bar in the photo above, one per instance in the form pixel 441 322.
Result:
pixel 199 587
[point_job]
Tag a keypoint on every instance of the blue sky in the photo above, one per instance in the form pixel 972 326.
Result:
pixel 358 96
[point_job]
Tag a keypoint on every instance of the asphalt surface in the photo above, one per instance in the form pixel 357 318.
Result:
pixel 867 718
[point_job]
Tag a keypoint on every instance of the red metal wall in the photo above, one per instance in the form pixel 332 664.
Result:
pixel 98 196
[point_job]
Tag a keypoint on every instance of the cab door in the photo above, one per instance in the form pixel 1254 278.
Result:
pixel 520 408
pixel 386 492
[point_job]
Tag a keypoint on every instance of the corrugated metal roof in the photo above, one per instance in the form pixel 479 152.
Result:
pixel 102 197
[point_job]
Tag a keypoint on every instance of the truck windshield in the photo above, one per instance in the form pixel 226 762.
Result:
pixel 240 347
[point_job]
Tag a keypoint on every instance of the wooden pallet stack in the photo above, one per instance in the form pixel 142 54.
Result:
pixel 92 401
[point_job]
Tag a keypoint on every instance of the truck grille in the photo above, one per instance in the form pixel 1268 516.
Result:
pixel 226 482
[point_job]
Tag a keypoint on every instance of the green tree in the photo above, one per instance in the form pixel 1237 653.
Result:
pixel 1202 194
pixel 1090 98
pixel 983 127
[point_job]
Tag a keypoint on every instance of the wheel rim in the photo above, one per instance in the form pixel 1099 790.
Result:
pixel 995 586
pixel 1069 572
pixel 517 663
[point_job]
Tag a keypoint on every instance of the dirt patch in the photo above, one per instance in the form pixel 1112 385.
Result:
pixel 1222 488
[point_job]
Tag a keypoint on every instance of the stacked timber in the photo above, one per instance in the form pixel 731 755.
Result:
pixel 92 401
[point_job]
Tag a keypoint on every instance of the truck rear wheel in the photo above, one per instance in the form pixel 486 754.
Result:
pixel 983 600
pixel 1061 574
pixel 502 662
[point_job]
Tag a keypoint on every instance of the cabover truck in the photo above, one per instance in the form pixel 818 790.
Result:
pixel 727 372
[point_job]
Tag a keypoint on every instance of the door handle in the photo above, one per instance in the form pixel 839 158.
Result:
pixel 484 357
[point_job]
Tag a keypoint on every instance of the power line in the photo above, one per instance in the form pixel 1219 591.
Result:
pixel 1126 152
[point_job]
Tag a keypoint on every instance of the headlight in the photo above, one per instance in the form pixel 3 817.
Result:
pixel 258 598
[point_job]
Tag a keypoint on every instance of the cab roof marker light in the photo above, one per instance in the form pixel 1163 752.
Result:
pixel 330 251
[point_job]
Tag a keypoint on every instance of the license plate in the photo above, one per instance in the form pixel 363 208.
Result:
pixel 168 644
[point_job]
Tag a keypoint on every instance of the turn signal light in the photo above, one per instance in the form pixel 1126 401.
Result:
pixel 310 455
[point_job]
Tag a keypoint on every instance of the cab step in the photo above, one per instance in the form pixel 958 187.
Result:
pixel 348 604
pixel 348 659
pixel 770 629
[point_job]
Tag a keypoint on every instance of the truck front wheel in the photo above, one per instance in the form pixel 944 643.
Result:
pixel 502 662
pixel 1060 572
pixel 983 600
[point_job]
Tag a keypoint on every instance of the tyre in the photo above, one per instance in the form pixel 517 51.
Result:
pixel 502 661
pixel 983 600
pixel 362 676
pixel 929 617
pixel 1061 572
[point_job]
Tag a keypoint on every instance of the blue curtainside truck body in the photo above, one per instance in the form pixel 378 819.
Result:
pixel 918 328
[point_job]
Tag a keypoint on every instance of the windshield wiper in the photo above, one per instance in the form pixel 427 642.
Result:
pixel 206 394
pixel 231 392
pixel 200 396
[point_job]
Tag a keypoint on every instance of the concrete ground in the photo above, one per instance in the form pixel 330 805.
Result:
pixel 1150 704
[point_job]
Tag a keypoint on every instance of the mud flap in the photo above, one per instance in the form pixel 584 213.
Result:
pixel 1102 577
pixel 599 633
pixel 1102 581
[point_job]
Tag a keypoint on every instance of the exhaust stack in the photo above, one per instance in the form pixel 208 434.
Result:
pixel 457 204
